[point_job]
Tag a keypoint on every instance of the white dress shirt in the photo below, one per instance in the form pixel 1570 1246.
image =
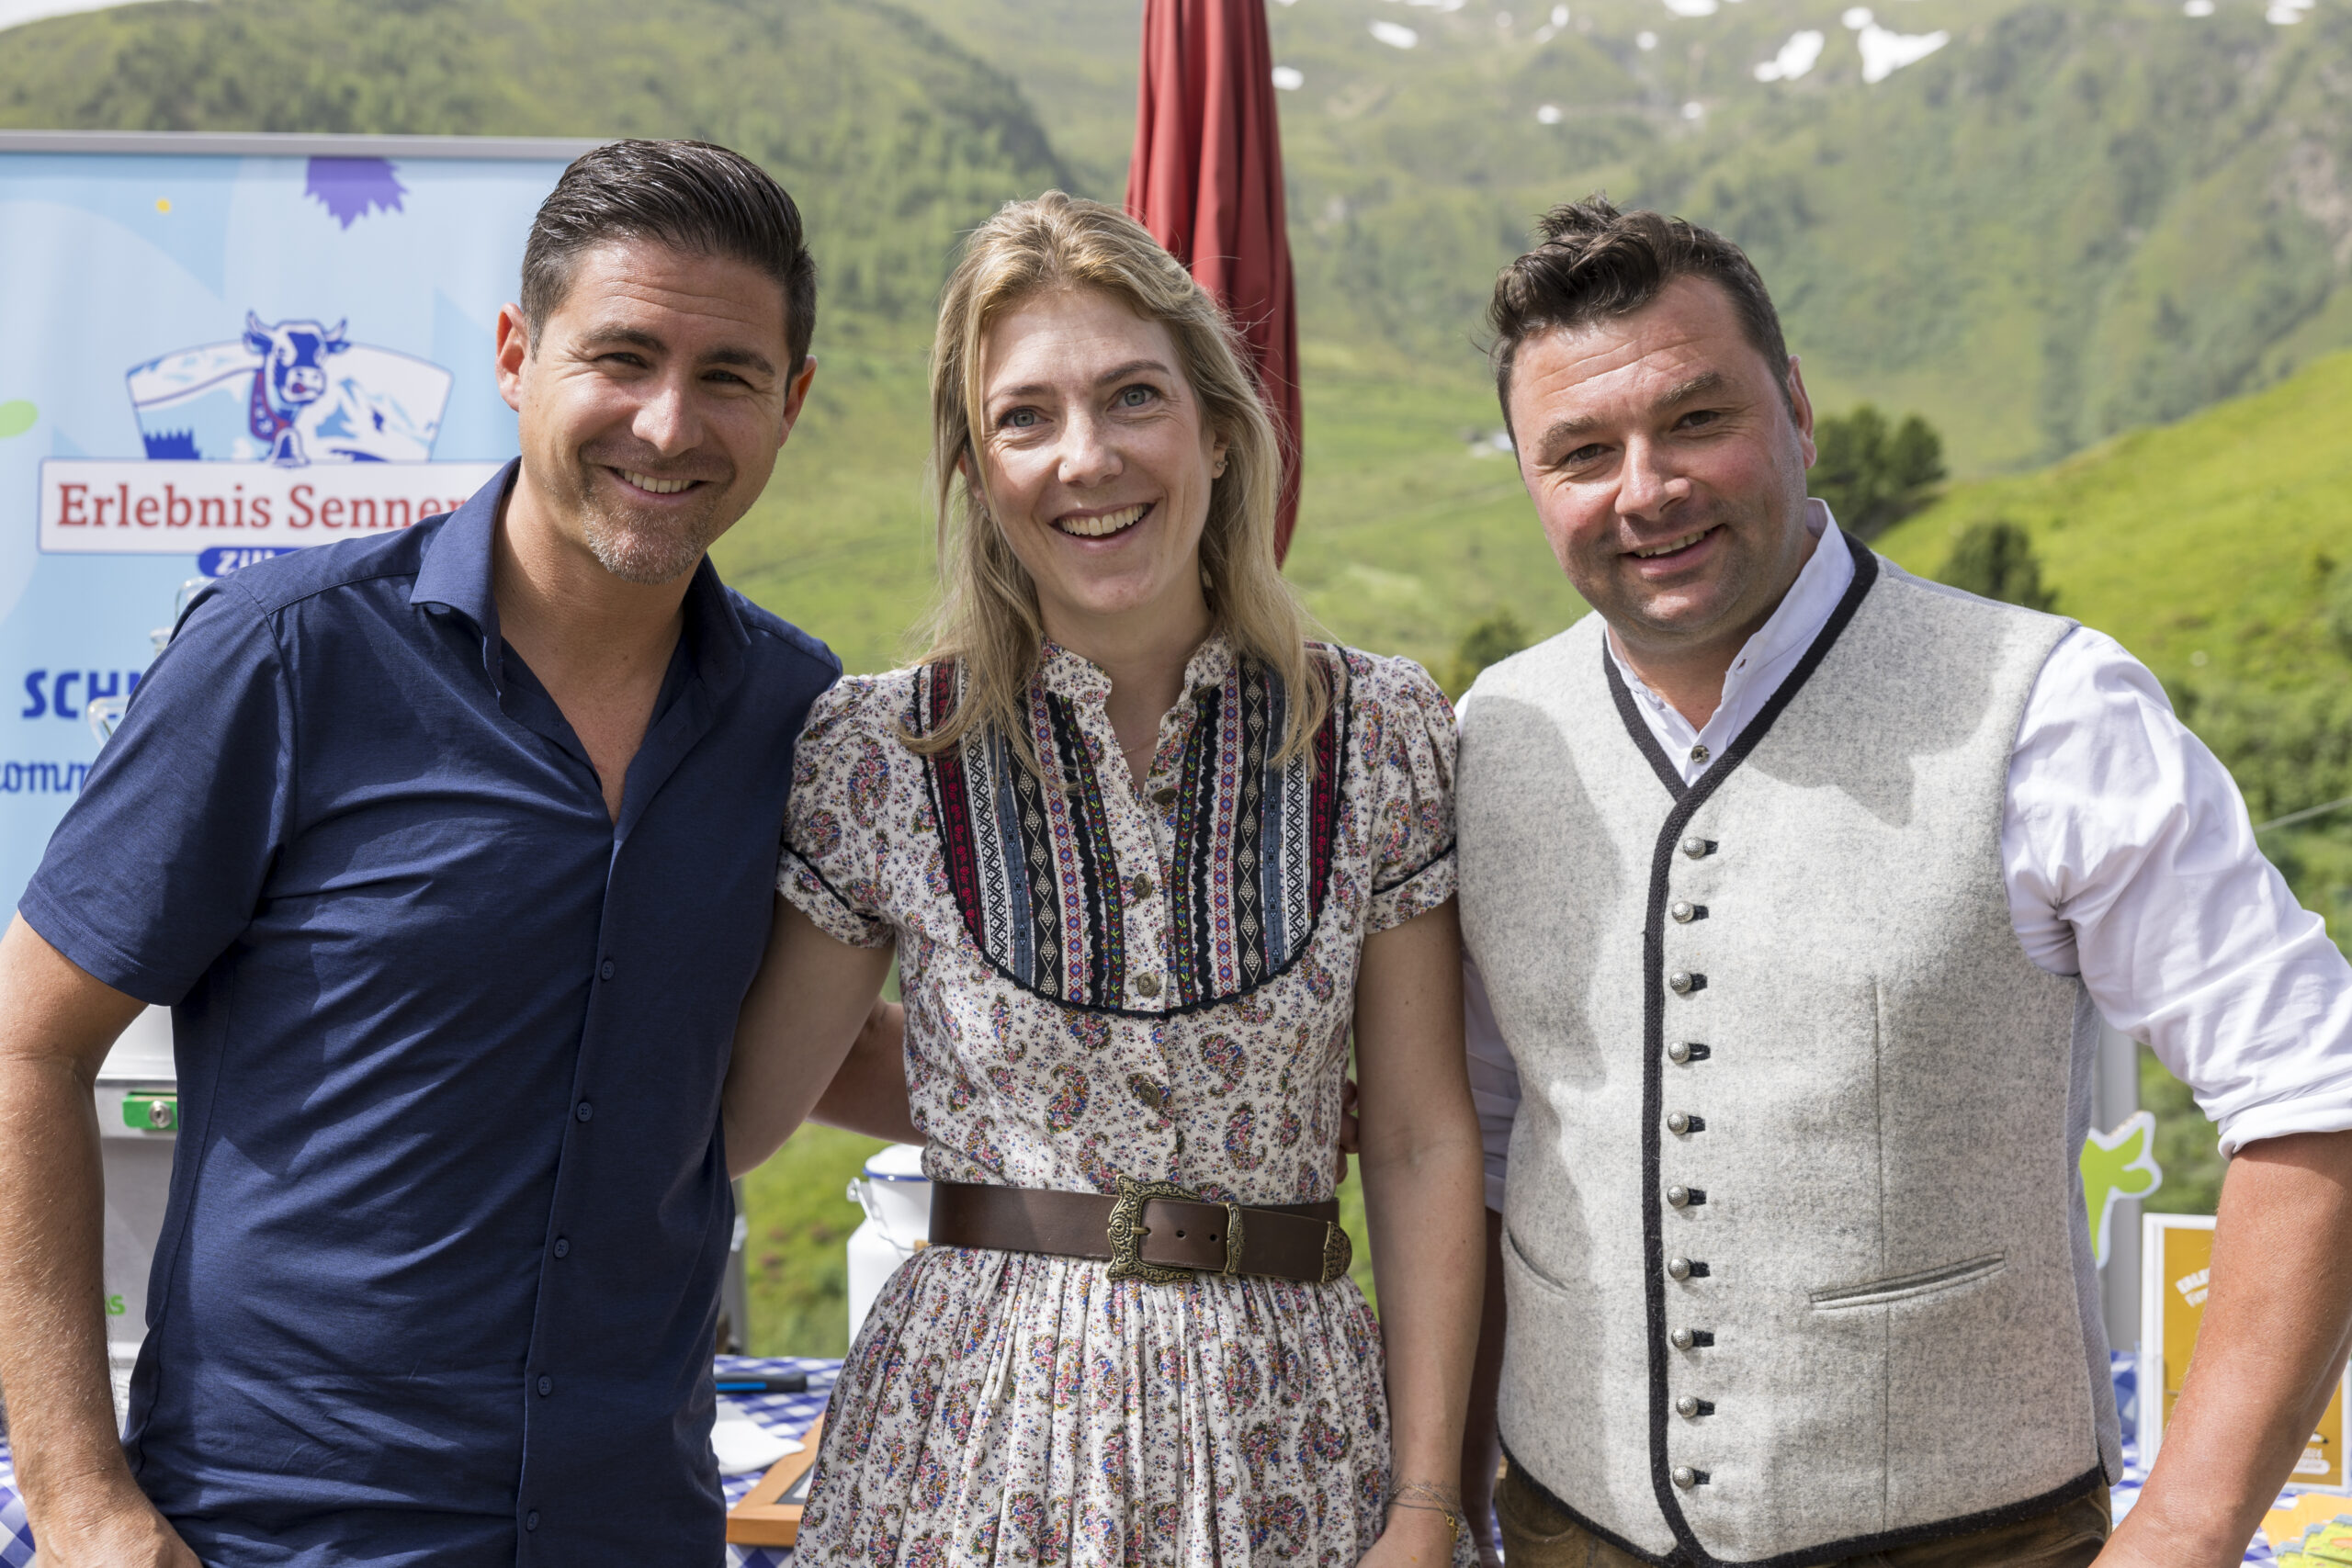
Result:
pixel 2130 861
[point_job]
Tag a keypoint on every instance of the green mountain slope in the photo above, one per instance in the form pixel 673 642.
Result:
pixel 2074 217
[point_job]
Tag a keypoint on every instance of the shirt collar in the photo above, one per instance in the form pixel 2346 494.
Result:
pixel 1765 657
pixel 456 574
pixel 1078 679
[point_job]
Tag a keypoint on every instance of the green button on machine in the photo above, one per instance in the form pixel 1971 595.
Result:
pixel 151 1112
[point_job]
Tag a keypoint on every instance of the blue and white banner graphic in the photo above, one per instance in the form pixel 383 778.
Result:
pixel 207 360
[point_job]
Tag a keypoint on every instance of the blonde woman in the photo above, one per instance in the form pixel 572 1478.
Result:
pixel 1147 857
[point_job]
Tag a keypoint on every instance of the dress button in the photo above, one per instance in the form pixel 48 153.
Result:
pixel 1679 982
pixel 1686 1405
pixel 1684 1338
pixel 1163 797
pixel 1685 1477
pixel 1677 1123
pixel 583 1110
pixel 1142 886
pixel 1678 1267
pixel 1679 1052
pixel 547 1385
pixel 531 1520
pixel 563 1246
pixel 1684 911
pixel 604 970
pixel 1147 984
pixel 1679 1196
pixel 1694 846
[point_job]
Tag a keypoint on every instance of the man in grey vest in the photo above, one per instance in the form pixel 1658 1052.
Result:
pixel 1796 887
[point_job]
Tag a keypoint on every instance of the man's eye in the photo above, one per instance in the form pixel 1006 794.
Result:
pixel 1698 417
pixel 1587 453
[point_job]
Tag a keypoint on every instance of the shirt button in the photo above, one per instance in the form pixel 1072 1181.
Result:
pixel 1142 889
pixel 1698 753
pixel 547 1385
pixel 583 1110
pixel 563 1246
pixel 531 1520
pixel 1147 984
pixel 604 970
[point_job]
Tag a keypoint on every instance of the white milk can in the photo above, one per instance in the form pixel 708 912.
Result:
pixel 896 1199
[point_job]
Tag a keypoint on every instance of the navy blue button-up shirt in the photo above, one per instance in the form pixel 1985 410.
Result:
pixel 438 1279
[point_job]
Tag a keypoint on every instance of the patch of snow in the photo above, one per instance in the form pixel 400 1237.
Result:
pixel 1692 7
pixel 1694 110
pixel 2197 8
pixel 1884 53
pixel 1289 78
pixel 1646 41
pixel 1394 36
pixel 1547 114
pixel 1559 16
pixel 1856 17
pixel 1798 56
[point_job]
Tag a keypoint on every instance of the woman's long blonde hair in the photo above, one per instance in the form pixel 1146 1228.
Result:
pixel 987 617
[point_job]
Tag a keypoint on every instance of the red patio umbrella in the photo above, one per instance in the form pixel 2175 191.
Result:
pixel 1207 179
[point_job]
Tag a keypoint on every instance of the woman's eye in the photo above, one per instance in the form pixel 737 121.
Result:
pixel 1135 397
pixel 1019 418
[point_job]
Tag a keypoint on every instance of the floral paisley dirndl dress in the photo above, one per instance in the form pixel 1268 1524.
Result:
pixel 1103 980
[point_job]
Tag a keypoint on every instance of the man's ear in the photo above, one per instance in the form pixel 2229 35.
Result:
pixel 796 398
pixel 514 347
pixel 1801 409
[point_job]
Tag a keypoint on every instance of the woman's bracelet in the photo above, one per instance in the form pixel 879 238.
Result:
pixel 1436 1500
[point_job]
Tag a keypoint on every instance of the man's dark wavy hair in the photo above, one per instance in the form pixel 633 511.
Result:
pixel 1594 262
pixel 690 195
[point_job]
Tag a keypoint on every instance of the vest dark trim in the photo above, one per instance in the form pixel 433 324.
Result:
pixel 1644 738
pixel 1832 1551
pixel 1654 1025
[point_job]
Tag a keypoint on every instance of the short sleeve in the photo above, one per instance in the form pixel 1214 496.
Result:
pixel 1404 732
pixel 161 864
pixel 834 830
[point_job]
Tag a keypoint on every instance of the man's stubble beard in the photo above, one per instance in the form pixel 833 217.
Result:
pixel 639 550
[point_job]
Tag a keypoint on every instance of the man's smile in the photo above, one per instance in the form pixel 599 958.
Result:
pixel 1674 546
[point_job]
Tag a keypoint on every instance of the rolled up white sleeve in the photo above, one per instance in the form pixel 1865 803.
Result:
pixel 2130 860
pixel 1494 1078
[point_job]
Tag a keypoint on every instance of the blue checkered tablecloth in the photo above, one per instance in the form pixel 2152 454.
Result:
pixel 790 1415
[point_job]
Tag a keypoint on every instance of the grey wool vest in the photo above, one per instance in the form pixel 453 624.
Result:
pixel 1795 1241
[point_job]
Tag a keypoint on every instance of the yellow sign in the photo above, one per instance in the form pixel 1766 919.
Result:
pixel 2176 1265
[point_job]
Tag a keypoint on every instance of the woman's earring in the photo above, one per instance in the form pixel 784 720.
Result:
pixel 1218 472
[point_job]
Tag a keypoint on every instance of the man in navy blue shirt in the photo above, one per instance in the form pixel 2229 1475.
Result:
pixel 453 852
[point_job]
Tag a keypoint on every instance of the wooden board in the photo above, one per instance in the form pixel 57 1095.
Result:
pixel 759 1519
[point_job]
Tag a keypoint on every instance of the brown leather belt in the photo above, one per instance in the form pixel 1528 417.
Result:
pixel 1147 1230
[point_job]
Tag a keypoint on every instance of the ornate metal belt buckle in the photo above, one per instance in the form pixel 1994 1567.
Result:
pixel 1338 1252
pixel 1127 1231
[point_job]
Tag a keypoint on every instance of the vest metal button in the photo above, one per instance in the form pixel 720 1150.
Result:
pixel 1694 846
pixel 1683 912
pixel 1676 1122
pixel 1679 982
pixel 1684 1338
pixel 1686 1405
pixel 1677 1052
pixel 1678 1267
pixel 1685 1477
pixel 1681 1198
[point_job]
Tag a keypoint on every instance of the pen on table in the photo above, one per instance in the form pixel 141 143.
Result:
pixel 759 1382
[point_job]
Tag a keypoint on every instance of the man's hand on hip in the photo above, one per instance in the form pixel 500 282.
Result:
pixel 123 1531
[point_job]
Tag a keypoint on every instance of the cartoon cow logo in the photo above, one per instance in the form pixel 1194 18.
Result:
pixel 290 379
pixel 293 392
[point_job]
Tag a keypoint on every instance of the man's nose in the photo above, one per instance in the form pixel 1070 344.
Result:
pixel 1647 488
pixel 667 421
pixel 1089 455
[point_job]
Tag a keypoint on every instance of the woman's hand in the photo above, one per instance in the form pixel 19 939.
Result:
pixel 1415 1537
pixel 809 1001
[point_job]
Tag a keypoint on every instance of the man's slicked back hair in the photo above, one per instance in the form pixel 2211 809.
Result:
pixel 689 196
pixel 1595 263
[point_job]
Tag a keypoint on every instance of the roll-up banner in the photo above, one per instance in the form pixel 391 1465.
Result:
pixel 215 349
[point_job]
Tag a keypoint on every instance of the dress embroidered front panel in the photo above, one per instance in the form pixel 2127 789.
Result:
pixel 1156 982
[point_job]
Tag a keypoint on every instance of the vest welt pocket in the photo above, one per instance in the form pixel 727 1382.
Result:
pixel 1905 1286
pixel 1512 1240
